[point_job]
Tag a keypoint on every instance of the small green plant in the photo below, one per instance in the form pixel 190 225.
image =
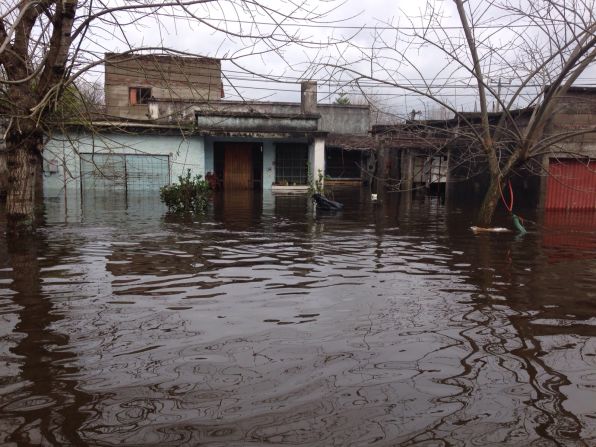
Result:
pixel 319 182
pixel 189 196
pixel 316 186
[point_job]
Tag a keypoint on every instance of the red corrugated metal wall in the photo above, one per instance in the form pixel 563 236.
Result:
pixel 571 185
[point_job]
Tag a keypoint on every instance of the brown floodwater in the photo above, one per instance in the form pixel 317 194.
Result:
pixel 264 323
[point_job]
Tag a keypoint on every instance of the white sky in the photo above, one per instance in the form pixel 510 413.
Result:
pixel 295 61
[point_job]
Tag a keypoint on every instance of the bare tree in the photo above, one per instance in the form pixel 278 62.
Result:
pixel 48 46
pixel 519 55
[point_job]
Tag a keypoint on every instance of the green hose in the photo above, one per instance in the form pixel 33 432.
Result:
pixel 518 225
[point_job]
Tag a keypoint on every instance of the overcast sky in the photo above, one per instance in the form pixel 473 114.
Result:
pixel 320 40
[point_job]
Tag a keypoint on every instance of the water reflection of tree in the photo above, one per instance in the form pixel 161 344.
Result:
pixel 505 352
pixel 47 405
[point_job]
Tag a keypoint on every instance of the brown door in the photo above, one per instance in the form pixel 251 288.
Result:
pixel 238 166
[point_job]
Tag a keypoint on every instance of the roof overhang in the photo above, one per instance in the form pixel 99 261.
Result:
pixel 256 122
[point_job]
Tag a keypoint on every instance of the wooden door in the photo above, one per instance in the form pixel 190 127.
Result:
pixel 238 166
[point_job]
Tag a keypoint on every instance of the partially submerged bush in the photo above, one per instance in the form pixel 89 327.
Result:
pixel 189 195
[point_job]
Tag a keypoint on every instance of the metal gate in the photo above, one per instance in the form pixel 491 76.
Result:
pixel 124 171
pixel 571 185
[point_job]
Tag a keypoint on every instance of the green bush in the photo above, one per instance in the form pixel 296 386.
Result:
pixel 189 195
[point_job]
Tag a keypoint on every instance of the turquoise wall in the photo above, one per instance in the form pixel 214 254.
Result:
pixel 268 164
pixel 209 158
pixel 63 153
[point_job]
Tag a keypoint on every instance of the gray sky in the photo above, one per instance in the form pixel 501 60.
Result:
pixel 293 62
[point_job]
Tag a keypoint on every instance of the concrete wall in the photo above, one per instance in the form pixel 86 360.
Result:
pixel 349 119
pixel 257 123
pixel 268 154
pixel 576 111
pixel 209 156
pixel 268 164
pixel 62 152
pixel 169 77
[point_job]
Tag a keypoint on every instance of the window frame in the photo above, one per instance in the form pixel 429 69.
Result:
pixel 140 99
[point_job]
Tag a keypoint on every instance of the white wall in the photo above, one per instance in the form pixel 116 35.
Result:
pixel 63 151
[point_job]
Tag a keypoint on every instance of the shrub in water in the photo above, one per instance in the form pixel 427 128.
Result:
pixel 189 195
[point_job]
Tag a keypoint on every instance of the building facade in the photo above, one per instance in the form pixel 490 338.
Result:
pixel 570 164
pixel 133 81
pixel 165 115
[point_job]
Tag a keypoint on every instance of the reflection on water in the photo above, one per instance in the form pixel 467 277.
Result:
pixel 265 322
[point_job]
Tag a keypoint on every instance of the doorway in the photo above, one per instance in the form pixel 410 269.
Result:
pixel 239 165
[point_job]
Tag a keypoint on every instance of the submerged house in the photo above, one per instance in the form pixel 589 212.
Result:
pixel 439 156
pixel 571 164
pixel 165 114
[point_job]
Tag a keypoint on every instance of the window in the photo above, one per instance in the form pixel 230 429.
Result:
pixel 291 164
pixel 139 95
pixel 341 163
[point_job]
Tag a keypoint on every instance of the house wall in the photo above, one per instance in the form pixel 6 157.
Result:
pixel 576 111
pixel 169 77
pixel 268 146
pixel 343 119
pixel 62 152
pixel 209 156
pixel 268 164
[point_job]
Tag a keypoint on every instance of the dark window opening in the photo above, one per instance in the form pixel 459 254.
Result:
pixel 343 164
pixel 291 164
pixel 139 95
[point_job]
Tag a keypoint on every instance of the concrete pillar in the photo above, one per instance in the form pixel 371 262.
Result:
pixel 316 158
pixel 308 97
pixel 407 170
pixel 381 170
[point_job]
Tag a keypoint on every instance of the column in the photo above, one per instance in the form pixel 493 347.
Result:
pixel 407 170
pixel 316 158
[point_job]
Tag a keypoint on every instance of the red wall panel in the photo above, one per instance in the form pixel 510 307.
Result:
pixel 571 185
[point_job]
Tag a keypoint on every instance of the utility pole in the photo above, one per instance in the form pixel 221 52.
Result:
pixel 499 83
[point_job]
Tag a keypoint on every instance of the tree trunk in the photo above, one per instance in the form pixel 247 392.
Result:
pixel 490 201
pixel 24 164
pixel 3 173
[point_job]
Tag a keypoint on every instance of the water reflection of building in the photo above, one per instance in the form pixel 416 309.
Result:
pixel 569 235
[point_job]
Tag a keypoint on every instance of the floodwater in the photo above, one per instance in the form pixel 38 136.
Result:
pixel 266 324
